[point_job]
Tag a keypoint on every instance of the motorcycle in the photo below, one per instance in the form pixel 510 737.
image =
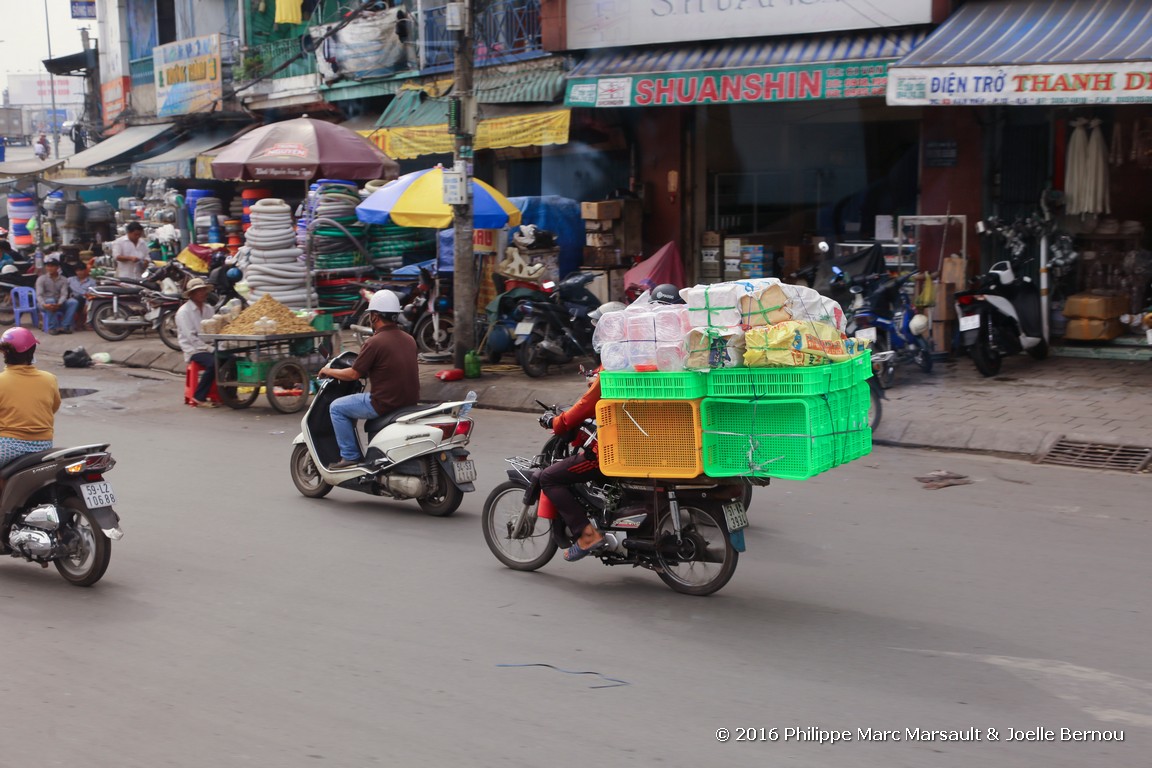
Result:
pixel 116 310
pixel 412 453
pixel 689 533
pixel 426 315
pixel 1000 318
pixel 56 507
pixel 903 332
pixel 555 331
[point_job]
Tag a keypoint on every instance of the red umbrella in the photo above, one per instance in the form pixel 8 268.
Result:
pixel 303 149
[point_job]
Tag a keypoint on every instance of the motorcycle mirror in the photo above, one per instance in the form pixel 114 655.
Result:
pixel 837 271
pixel 856 289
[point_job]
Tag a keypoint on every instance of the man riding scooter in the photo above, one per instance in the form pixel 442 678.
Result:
pixel 388 361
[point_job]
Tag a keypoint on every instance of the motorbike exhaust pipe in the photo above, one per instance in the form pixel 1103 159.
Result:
pixel 122 323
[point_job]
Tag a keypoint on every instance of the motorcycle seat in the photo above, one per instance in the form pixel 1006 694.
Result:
pixel 109 290
pixel 372 426
pixel 23 462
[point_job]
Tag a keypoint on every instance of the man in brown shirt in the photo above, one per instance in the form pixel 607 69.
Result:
pixel 388 361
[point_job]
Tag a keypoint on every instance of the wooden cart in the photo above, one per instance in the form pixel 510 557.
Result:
pixel 282 364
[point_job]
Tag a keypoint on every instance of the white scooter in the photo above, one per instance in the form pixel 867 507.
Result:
pixel 412 453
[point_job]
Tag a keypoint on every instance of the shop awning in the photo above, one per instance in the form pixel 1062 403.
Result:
pixel 180 161
pixel 22 168
pixel 835 66
pixel 112 149
pixel 1032 52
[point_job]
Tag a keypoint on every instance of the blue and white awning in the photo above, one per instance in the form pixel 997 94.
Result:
pixel 1054 52
pixel 782 69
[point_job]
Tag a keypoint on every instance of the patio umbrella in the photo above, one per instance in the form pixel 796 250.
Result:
pixel 417 200
pixel 303 149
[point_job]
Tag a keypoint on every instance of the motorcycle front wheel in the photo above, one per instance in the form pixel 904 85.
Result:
pixel 885 372
pixel 428 339
pixel 107 312
pixel 705 560
pixel 502 511
pixel 875 407
pixel 93 551
pixel 305 475
pixel 168 332
pixel 923 356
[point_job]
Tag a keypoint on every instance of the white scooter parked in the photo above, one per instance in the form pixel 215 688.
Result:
pixel 412 453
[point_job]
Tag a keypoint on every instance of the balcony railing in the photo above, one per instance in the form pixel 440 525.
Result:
pixel 259 60
pixel 504 31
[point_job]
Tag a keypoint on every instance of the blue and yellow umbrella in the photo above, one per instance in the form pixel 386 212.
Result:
pixel 417 200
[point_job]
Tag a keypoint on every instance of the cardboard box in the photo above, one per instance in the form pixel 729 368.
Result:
pixel 710 255
pixel 943 333
pixel 598 225
pixel 710 240
pixel 601 256
pixel 602 209
pixel 1095 307
pixel 791 262
pixel 732 246
pixel 1087 329
pixel 599 239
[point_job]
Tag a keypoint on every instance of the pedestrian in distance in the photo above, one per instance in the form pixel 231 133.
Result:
pixel 53 297
pixel 131 252
pixel 196 350
pixel 78 286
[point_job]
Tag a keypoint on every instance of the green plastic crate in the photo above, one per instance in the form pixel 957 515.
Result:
pixel 251 372
pixel 655 385
pixel 788 438
pixel 849 409
pixel 789 382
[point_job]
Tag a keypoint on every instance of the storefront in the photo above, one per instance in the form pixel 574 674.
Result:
pixel 1047 104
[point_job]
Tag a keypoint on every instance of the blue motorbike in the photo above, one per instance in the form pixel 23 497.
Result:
pixel 882 313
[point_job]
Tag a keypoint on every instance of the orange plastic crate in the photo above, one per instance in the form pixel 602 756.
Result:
pixel 650 438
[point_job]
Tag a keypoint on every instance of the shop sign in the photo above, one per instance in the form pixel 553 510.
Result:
pixel 188 75
pixel 114 100
pixel 26 90
pixel 83 9
pixel 600 24
pixel 806 82
pixel 1103 83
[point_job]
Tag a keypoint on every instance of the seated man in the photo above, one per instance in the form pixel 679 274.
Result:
pixel 52 297
pixel 78 286
pixel 196 350
pixel 388 361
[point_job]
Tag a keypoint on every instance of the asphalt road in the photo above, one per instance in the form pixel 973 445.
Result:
pixel 241 624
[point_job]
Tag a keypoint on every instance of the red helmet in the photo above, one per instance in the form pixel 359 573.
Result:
pixel 19 339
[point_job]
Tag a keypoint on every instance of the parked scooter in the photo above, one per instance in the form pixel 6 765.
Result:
pixel 690 534
pixel 56 507
pixel 426 314
pixel 1001 317
pixel 881 312
pixel 115 311
pixel 411 453
pixel 555 331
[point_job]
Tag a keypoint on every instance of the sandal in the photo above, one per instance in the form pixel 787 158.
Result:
pixel 576 552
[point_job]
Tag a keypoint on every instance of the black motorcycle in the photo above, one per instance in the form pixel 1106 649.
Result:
pixel 555 331
pixel 56 507
pixel 690 533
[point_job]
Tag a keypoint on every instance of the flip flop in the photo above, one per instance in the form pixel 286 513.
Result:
pixel 576 552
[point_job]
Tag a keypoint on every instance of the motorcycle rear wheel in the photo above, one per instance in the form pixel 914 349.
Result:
pixel 986 359
pixel 875 408
pixel 444 503
pixel 95 551
pixel 530 356
pixel 305 475
pixel 923 354
pixel 168 332
pixel 885 372
pixel 108 312
pixel 502 510
pixel 707 558
pixel 427 338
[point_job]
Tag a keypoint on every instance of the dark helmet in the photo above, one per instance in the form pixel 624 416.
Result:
pixel 666 294
pixel 234 274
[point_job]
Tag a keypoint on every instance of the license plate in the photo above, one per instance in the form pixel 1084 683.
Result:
pixel 867 334
pixel 736 516
pixel 98 495
pixel 524 327
pixel 465 470
pixel 970 322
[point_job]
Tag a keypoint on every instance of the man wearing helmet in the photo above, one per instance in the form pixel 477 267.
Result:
pixel 388 361
pixel 29 398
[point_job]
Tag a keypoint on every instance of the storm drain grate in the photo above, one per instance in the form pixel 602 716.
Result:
pixel 1122 458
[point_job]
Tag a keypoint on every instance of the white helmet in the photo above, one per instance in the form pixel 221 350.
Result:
pixel 603 309
pixel 384 302
pixel 9 269
pixel 918 325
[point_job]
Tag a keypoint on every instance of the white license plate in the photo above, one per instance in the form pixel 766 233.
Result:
pixel 465 470
pixel 867 334
pixel 524 327
pixel 969 322
pixel 736 516
pixel 98 495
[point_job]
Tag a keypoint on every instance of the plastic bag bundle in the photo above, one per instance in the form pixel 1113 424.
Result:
pixel 797 344
pixel 670 357
pixel 714 348
pixel 614 356
pixel 642 355
pixel 641 326
pixel 768 302
pixel 714 306
pixel 672 323
pixel 611 327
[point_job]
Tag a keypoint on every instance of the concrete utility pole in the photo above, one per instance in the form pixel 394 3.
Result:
pixel 464 277
pixel 52 86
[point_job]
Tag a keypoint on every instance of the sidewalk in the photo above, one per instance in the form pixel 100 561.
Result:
pixel 1023 411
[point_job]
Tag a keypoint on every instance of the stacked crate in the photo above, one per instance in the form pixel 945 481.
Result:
pixel 602 238
pixel 788 423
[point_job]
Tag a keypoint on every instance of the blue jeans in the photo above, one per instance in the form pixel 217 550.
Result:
pixel 345 411
pixel 52 318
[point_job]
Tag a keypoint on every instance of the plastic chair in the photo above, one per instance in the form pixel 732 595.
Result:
pixel 192 380
pixel 24 302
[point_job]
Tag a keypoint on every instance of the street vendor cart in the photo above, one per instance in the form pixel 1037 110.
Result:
pixel 282 364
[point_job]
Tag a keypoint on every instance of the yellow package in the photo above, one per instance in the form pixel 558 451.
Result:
pixel 794 343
